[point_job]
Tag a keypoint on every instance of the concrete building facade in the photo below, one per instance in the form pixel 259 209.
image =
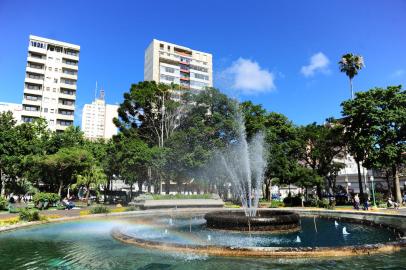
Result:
pixel 50 82
pixel 15 108
pixel 170 63
pixel 97 119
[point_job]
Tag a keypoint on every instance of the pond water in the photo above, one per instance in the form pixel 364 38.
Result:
pixel 88 244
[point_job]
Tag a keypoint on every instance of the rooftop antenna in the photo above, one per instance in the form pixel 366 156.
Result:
pixel 101 94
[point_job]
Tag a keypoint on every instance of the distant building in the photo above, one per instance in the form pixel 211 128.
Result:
pixel 15 108
pixel 170 63
pixel 97 119
pixel 50 82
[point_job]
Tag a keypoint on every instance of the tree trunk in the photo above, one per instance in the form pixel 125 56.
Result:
pixel 167 186
pixel 60 187
pixel 388 182
pixel 131 192
pixel 3 184
pixel 149 179
pixel 352 91
pixel 395 175
pixel 87 194
pixel 361 189
pixel 140 186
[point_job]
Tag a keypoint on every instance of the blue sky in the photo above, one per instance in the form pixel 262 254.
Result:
pixel 281 54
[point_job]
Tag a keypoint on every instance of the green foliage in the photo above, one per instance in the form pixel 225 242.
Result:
pixel 276 204
pixel 100 209
pixel 375 121
pixel 293 200
pixel 131 208
pixel 180 196
pixel 3 203
pixel 29 215
pixel 51 198
pixel 379 198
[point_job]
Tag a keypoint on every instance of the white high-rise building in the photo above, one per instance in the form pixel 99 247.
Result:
pixel 15 108
pixel 50 82
pixel 170 63
pixel 97 119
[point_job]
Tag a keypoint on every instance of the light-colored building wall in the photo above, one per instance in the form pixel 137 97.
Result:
pixel 97 119
pixel 15 108
pixel 171 63
pixel 51 82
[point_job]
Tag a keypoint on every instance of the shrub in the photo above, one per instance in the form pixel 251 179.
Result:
pixel 3 203
pixel 276 204
pixel 101 209
pixel 131 208
pixel 293 201
pixel 379 198
pixel 51 198
pixel 28 215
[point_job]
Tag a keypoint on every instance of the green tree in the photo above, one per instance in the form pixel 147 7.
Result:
pixel 322 145
pixel 91 178
pixel 378 116
pixel 58 170
pixel 149 110
pixel 8 143
pixel 351 64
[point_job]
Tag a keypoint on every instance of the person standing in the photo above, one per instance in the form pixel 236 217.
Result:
pixel 356 202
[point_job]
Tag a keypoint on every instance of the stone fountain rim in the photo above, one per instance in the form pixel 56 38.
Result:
pixel 254 251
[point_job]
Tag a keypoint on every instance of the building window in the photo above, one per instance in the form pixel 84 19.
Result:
pixel 50 68
pixel 56 69
pixel 45 110
pixel 55 80
pixel 201 76
pixel 48 88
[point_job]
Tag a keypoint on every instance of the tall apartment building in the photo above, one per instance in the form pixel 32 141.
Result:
pixel 15 108
pixel 97 119
pixel 50 82
pixel 170 63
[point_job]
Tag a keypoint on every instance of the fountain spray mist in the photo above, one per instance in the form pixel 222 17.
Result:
pixel 244 164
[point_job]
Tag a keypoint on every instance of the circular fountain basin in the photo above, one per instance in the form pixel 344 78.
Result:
pixel 169 239
pixel 264 221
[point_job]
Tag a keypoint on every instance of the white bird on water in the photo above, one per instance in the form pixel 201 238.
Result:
pixel 209 237
pixel 298 240
pixel 335 223
pixel 345 231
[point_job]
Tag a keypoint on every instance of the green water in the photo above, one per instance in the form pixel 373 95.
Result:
pixel 87 244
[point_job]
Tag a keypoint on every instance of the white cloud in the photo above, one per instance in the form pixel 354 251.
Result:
pixel 398 73
pixel 248 77
pixel 318 62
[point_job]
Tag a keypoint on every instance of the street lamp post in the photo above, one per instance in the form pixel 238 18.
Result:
pixel 373 189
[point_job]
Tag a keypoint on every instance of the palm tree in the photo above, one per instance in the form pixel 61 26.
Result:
pixel 351 64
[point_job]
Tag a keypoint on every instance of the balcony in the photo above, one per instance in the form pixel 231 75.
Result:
pixel 32 91
pixel 67 96
pixel 71 57
pixel 59 127
pixel 68 86
pixel 69 76
pixel 36 60
pixel 65 117
pixel 31 113
pixel 184 78
pixel 34 81
pixel 37 50
pixel 66 107
pixel 69 66
pixel 32 102
pixel 35 70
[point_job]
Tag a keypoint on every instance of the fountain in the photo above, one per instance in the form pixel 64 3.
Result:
pixel 244 165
